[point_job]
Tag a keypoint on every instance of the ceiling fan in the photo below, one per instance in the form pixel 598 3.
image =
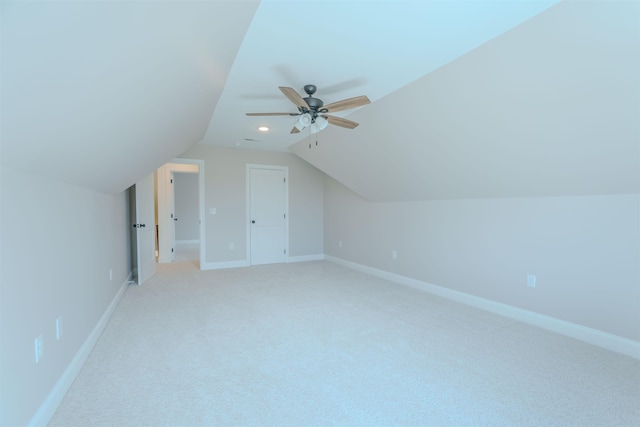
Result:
pixel 313 112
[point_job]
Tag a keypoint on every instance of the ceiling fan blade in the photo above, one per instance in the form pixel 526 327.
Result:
pixel 339 121
pixel 271 114
pixel 295 130
pixel 293 97
pixel 346 104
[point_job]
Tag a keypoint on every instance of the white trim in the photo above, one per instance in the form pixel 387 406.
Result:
pixel 303 258
pixel 187 242
pixel 54 398
pixel 592 336
pixel 225 264
pixel 285 169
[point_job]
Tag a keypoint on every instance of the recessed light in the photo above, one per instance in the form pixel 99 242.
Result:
pixel 263 129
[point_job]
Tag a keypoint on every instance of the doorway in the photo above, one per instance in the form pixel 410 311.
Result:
pixel 186 220
pixel 268 222
pixel 180 201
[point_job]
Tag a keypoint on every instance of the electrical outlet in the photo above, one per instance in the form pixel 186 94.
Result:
pixel 531 280
pixel 340 244
pixel 232 246
pixel 59 329
pixel 38 348
pixel 394 254
pixel 110 274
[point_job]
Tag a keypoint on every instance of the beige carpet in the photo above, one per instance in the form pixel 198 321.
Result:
pixel 187 252
pixel 318 344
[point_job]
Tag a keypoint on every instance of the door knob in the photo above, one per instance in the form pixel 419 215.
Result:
pixel 253 222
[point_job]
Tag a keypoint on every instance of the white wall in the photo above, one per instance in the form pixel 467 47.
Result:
pixel 58 244
pixel 585 251
pixel 225 190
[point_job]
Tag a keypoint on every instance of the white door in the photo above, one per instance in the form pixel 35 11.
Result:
pixel 172 226
pixel 268 208
pixel 145 229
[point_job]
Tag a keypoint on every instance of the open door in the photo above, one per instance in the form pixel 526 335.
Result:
pixel 171 211
pixel 145 230
pixel 172 201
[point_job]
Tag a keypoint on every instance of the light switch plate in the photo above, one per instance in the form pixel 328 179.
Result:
pixel 59 330
pixel 531 280
pixel 38 348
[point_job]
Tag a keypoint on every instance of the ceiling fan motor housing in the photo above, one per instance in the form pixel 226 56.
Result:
pixel 313 103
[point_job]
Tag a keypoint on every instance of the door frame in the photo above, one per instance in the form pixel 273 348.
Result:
pixel 164 204
pixel 285 169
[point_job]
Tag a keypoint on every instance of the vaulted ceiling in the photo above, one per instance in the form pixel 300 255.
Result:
pixel 469 98
pixel 100 94
pixel 549 108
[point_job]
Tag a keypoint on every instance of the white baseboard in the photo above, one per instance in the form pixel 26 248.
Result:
pixel 245 263
pixel 55 396
pixel 303 258
pixel 592 336
pixel 187 242
pixel 226 264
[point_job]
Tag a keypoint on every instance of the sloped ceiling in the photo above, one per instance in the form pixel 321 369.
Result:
pixel 100 94
pixel 469 98
pixel 550 108
pixel 346 49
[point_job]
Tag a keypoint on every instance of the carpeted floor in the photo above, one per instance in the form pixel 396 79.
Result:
pixel 315 343
pixel 187 252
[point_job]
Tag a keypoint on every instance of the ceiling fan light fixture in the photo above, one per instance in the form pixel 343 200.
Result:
pixel 318 124
pixel 303 121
